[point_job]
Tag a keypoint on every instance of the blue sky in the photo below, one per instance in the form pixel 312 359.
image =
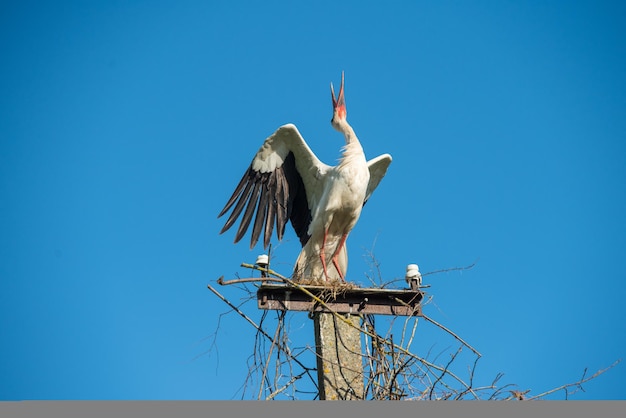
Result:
pixel 125 126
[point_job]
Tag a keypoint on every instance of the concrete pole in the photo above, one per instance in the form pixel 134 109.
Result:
pixel 339 357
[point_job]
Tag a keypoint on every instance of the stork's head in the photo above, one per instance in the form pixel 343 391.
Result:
pixel 339 105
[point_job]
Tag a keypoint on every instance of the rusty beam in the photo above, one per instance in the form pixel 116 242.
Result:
pixel 348 301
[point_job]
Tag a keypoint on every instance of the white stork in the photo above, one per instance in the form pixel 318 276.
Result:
pixel 286 181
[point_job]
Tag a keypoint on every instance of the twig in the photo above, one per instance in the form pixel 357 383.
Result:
pixel 432 321
pixel 471 379
pixel 451 269
pixel 259 329
pixel 452 358
pixel 236 309
pixel 278 391
pixel 221 281
pixel 579 383
pixel 269 356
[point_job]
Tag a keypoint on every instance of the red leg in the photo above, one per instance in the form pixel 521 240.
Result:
pixel 335 261
pixel 323 256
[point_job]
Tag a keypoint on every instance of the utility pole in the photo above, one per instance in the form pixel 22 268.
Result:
pixel 339 356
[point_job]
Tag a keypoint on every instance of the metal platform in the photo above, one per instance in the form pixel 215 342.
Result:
pixel 353 301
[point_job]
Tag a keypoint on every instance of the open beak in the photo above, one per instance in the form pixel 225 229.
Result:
pixel 339 103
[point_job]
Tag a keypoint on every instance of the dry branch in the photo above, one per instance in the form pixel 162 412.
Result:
pixel 578 384
pixel 393 370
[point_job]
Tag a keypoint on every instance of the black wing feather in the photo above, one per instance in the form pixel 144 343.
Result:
pixel 277 197
pixel 271 211
pixel 259 221
pixel 282 194
pixel 242 183
pixel 247 215
pixel 243 197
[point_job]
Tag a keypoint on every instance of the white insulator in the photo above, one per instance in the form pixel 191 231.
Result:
pixel 412 270
pixel 413 273
pixel 262 260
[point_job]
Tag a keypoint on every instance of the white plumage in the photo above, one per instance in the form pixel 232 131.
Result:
pixel 286 181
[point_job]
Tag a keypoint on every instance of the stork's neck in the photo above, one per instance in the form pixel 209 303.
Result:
pixel 352 151
pixel 344 127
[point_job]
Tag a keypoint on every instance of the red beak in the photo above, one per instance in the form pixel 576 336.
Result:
pixel 339 103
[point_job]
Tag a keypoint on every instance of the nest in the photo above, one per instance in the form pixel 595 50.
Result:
pixel 331 287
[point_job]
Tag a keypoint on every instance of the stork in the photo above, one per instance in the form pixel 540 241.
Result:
pixel 286 181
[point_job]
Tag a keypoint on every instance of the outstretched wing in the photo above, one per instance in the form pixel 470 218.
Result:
pixel 283 182
pixel 378 168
